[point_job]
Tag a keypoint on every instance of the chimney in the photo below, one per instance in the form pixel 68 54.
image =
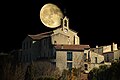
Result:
pixel 114 46
pixel 113 43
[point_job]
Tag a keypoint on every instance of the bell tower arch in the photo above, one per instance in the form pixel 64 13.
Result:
pixel 65 23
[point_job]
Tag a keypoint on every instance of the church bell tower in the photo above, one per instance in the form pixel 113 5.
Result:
pixel 65 24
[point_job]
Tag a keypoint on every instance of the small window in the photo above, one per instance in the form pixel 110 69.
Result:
pixel 85 57
pixel 54 55
pixel 89 56
pixel 65 23
pixel 23 45
pixel 69 65
pixel 33 42
pixel 26 45
pixel 86 66
pixel 53 63
pixel 55 42
pixel 107 58
pixel 69 56
pixel 44 42
pixel 95 59
pixel 30 44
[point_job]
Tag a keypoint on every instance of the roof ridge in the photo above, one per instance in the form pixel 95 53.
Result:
pixel 44 33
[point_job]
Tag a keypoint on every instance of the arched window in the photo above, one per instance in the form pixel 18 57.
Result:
pixel 86 66
pixel 65 23
pixel 55 42
pixel 95 59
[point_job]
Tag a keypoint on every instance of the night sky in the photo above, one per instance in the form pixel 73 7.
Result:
pixel 97 23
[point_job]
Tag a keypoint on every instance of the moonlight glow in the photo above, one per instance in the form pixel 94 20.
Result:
pixel 51 15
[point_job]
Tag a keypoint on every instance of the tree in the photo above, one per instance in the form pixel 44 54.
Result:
pixel 41 69
pixel 10 70
pixel 115 70
pixel 93 74
pixel 106 73
pixel 20 70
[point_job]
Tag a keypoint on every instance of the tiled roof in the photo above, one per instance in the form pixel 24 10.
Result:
pixel 71 47
pixel 60 34
pixel 40 36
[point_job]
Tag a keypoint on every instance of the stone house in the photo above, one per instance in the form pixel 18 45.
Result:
pixel 112 56
pixel 95 60
pixel 36 47
pixel 104 49
pixel 110 52
pixel 70 56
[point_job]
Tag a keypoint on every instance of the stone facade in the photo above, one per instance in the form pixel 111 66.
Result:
pixel 70 56
pixel 96 58
pixel 112 56
pixel 95 61
pixel 64 35
pixel 35 47
pixel 116 55
pixel 104 49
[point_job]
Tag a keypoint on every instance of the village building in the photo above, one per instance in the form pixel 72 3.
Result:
pixel 62 48
pixel 111 52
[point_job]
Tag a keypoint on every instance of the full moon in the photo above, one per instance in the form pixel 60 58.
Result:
pixel 51 15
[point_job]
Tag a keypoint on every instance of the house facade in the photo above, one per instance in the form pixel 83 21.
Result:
pixel 112 56
pixel 70 56
pixel 35 47
pixel 104 49
pixel 110 52
pixel 95 60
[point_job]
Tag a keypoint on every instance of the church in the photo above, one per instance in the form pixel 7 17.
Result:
pixel 61 47
pixel 45 45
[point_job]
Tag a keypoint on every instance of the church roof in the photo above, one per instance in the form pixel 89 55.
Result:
pixel 71 47
pixel 69 29
pixel 41 35
pixel 60 34
pixel 73 30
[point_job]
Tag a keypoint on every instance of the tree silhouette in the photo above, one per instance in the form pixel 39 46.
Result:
pixel 106 73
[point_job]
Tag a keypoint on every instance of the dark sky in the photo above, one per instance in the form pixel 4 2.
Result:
pixel 97 23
